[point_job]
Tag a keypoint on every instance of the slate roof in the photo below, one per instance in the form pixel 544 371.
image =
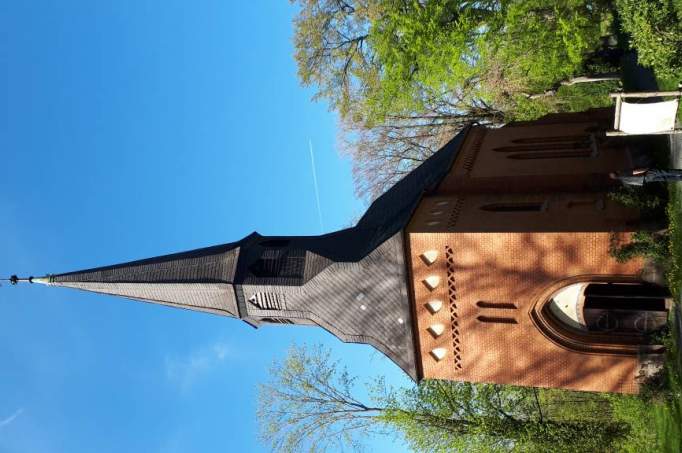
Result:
pixel 199 279
pixel 358 302
pixel 351 282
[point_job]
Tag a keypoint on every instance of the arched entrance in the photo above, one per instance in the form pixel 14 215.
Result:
pixel 616 317
pixel 624 307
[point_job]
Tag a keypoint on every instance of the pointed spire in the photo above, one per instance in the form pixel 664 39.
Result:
pixel 199 280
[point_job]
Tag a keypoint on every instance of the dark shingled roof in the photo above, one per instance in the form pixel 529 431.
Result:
pixel 351 282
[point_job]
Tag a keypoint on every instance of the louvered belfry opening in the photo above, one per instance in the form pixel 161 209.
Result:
pixel 279 263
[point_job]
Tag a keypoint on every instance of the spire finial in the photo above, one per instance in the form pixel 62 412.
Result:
pixel 13 280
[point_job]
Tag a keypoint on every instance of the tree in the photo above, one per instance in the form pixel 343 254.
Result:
pixel 403 74
pixel 427 52
pixel 311 402
pixel 385 152
pixel 331 49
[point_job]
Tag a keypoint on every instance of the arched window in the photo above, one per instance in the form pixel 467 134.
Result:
pixel 607 308
pixel 540 147
pixel 556 147
pixel 580 138
pixel 626 308
pixel 614 318
pixel 579 154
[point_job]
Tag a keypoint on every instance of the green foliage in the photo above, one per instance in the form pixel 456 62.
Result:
pixel 654 416
pixel 309 404
pixel 398 56
pixel 438 65
pixel 331 49
pixel 674 211
pixel 453 416
pixel 425 49
pixel 574 98
pixel 643 244
pixel 541 43
pixel 655 29
pixel 646 199
pixel 312 403
pixel 651 203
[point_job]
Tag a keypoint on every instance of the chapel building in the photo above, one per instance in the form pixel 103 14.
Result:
pixel 488 263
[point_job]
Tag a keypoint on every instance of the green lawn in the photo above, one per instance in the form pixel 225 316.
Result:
pixel 657 422
pixel 669 417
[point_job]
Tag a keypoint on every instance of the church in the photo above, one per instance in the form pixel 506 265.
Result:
pixel 488 263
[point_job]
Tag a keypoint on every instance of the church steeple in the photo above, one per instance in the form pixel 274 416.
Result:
pixel 199 280
pixel 352 282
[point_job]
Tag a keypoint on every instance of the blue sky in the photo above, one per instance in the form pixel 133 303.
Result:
pixel 131 129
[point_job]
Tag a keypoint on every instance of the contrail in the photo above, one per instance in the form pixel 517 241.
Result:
pixel 317 190
pixel 11 418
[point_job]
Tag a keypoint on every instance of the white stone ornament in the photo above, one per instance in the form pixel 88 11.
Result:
pixel 430 256
pixel 432 282
pixel 436 329
pixel 439 353
pixel 434 306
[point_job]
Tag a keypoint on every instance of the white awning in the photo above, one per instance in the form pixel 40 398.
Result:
pixel 648 118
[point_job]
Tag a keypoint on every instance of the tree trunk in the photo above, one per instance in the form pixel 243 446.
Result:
pixel 574 81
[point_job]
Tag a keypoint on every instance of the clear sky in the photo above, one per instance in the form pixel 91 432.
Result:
pixel 130 129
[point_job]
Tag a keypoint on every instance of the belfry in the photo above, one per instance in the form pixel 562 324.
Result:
pixel 488 263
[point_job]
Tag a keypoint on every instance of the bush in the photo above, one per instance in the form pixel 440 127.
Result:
pixel 655 31
pixel 574 98
pixel 645 244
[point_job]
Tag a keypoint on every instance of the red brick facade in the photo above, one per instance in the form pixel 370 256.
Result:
pixel 523 213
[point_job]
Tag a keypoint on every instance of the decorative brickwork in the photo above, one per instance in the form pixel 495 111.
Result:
pixel 452 298
pixel 454 214
pixel 472 152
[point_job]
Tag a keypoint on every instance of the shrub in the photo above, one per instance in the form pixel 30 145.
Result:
pixel 655 31
pixel 645 244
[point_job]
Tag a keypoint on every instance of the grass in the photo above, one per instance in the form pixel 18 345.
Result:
pixel 655 420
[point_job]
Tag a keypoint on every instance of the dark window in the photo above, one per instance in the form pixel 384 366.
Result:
pixel 279 263
pixel 541 147
pixel 557 147
pixel 501 305
pixel 497 319
pixel 513 207
pixel 627 308
pixel 581 153
pixel 553 139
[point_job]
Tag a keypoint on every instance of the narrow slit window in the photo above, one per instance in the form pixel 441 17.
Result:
pixel 500 305
pixel 552 139
pixel 551 147
pixel 496 320
pixel 575 154
pixel 533 206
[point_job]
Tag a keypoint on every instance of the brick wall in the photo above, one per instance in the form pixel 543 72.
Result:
pixel 520 257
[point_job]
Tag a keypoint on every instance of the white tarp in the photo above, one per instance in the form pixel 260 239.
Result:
pixel 648 118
